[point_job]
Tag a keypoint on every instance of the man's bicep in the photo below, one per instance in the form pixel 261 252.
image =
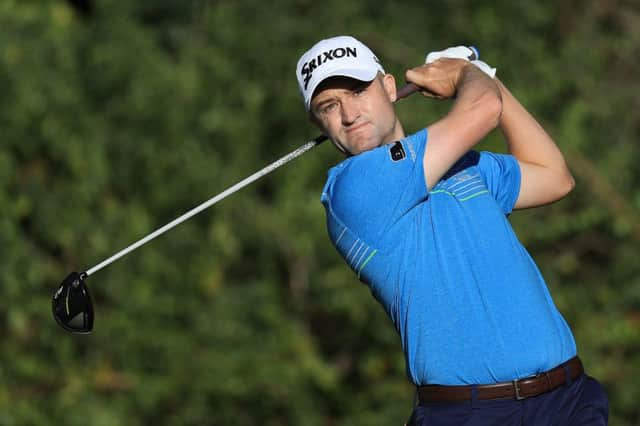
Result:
pixel 442 150
pixel 449 139
pixel 538 186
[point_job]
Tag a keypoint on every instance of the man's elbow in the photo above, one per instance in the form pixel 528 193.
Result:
pixel 565 184
pixel 491 105
pixel 571 183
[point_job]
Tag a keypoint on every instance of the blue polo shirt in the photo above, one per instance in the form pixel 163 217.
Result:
pixel 467 299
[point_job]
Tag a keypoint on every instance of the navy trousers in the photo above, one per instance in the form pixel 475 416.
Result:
pixel 582 402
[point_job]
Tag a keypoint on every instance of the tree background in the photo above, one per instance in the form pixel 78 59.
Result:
pixel 116 117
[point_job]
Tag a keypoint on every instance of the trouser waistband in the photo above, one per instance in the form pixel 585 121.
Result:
pixel 516 389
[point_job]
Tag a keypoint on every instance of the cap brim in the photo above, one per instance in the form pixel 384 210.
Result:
pixel 355 73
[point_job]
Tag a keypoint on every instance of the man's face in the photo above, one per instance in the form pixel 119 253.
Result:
pixel 357 116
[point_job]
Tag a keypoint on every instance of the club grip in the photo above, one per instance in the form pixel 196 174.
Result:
pixel 406 90
pixel 410 88
pixel 475 55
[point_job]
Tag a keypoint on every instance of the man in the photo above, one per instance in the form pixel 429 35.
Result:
pixel 422 220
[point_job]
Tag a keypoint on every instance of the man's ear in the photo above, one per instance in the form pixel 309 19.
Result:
pixel 315 120
pixel 389 84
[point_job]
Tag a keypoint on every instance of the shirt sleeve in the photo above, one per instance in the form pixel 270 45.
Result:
pixel 371 191
pixel 501 173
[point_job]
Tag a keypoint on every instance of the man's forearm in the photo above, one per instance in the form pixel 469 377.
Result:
pixel 475 94
pixel 473 86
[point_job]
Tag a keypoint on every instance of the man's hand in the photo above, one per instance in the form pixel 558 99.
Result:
pixel 439 79
pixel 470 54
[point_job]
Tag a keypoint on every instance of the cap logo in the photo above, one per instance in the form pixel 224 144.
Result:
pixel 323 58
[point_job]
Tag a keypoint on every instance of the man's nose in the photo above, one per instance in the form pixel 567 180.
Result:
pixel 349 111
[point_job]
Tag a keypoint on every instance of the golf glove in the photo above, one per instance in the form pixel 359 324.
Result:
pixel 462 52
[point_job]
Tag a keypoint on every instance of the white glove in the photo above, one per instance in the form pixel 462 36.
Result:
pixel 458 52
pixel 484 67
pixel 462 52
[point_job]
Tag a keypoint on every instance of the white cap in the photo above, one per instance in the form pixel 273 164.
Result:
pixel 338 56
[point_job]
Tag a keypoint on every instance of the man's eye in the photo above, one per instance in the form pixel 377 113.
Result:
pixel 329 107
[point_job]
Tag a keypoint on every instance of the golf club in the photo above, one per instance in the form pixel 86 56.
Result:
pixel 71 302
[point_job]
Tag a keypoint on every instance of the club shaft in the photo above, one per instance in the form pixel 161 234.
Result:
pixel 177 221
pixel 402 93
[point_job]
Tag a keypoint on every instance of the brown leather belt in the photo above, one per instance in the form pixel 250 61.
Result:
pixel 516 389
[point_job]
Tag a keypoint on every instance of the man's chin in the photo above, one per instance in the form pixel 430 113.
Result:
pixel 360 145
pixel 367 146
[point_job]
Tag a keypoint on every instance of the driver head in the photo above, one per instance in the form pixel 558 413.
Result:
pixel 72 306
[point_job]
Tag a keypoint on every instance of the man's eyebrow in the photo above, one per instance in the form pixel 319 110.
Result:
pixel 352 86
pixel 361 85
pixel 324 101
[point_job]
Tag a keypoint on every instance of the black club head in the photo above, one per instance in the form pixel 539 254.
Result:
pixel 72 306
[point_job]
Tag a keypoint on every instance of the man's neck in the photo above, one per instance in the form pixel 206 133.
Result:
pixel 396 135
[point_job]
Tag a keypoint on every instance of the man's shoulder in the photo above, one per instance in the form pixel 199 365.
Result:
pixel 371 190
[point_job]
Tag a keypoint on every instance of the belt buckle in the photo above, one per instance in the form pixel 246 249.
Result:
pixel 517 389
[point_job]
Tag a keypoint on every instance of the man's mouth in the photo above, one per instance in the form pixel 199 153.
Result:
pixel 356 127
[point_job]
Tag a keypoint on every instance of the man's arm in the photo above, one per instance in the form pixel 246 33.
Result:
pixel 475 112
pixel 545 175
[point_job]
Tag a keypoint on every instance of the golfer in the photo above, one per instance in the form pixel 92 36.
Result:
pixel 423 222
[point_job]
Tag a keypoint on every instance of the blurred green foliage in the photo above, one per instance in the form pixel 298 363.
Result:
pixel 117 120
